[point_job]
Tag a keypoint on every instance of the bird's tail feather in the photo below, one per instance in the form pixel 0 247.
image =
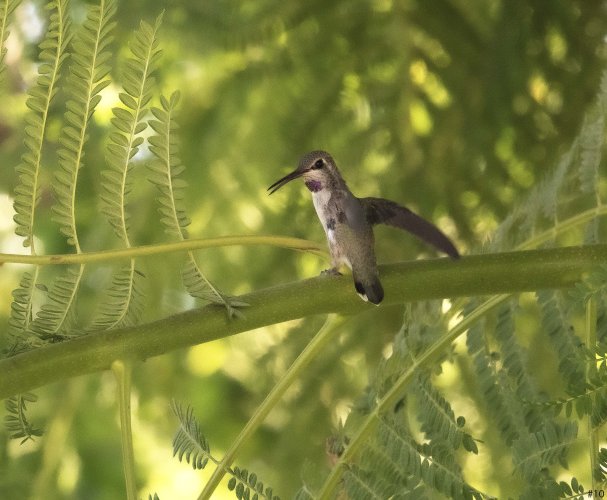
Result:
pixel 369 289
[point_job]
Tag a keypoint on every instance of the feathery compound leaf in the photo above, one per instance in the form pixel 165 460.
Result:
pixel 22 304
pixel 437 419
pixel 247 485
pixel 16 421
pixel 189 440
pixel 593 285
pixel 88 70
pixel 566 344
pixel 57 316
pixel 167 167
pixel 165 171
pixel 543 448
pixel 591 141
pixel 6 10
pixel 21 312
pixel 199 286
pixel 127 124
pixel 393 464
pixel 191 443
pixel 567 188
pixel 123 304
pixel 52 55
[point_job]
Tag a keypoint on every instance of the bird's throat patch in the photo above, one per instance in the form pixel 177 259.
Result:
pixel 314 186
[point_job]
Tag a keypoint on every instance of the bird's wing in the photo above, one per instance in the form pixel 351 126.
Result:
pixel 380 211
pixel 354 212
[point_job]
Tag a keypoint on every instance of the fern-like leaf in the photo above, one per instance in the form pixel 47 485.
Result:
pixel 572 490
pixel 53 54
pixel 123 304
pixel 601 473
pixel 189 440
pixel 592 286
pixel 494 397
pixel 199 286
pixel 538 450
pixel 567 345
pixel 127 125
pixel 514 363
pixel 592 138
pixel 6 10
pixel 438 420
pixel 165 171
pixel 57 315
pixel 247 485
pixel 393 464
pixel 16 421
pixel 21 315
pixel 88 77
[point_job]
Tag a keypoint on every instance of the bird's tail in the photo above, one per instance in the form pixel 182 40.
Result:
pixel 369 288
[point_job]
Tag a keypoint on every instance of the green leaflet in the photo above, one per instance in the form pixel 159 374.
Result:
pixel 394 462
pixel 6 10
pixel 545 447
pixel 16 421
pixel 21 315
pixel 57 316
pixel 127 124
pixel 165 171
pixel 124 300
pixel 167 167
pixel 88 76
pixel 190 443
pixel 88 71
pixel 52 55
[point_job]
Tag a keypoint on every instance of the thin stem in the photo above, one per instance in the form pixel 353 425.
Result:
pixel 122 371
pixel 563 226
pixel 593 437
pixel 316 345
pixel 162 248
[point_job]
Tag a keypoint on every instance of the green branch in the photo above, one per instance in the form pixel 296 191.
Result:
pixel 161 248
pixel 325 335
pixel 408 281
pixel 123 374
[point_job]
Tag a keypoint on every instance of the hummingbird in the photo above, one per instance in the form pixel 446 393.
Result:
pixel 348 222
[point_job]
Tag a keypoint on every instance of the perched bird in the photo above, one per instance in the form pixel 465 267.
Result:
pixel 348 222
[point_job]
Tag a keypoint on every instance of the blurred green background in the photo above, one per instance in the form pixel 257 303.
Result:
pixel 454 108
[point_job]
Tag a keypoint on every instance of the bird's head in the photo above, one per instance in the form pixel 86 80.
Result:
pixel 317 169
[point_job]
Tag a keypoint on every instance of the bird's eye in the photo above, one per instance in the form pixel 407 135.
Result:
pixel 318 164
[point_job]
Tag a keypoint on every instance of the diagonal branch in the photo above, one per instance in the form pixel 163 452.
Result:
pixel 489 274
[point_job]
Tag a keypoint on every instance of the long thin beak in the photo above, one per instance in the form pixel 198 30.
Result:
pixel 287 178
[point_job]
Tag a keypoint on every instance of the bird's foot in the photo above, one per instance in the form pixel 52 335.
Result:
pixel 330 272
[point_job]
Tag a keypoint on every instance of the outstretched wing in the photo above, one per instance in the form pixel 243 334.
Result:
pixel 380 211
